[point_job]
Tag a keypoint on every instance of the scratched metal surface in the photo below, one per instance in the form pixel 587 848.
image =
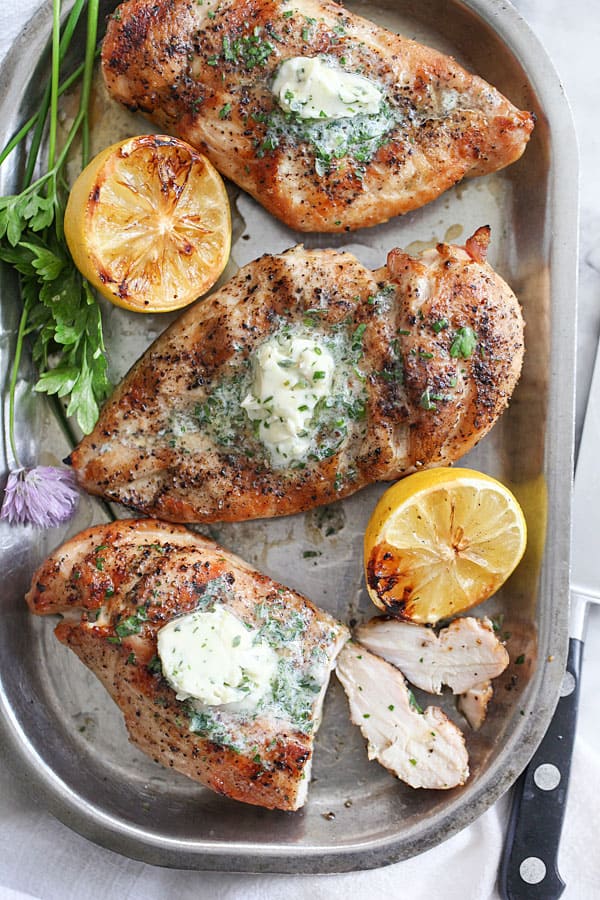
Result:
pixel 64 736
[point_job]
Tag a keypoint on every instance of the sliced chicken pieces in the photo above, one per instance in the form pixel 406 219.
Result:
pixel 473 704
pixel 424 749
pixel 463 655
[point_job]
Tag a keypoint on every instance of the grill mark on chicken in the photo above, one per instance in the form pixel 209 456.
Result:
pixel 132 455
pixel 172 60
pixel 155 572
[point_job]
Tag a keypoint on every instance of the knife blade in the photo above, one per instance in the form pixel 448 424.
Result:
pixel 529 869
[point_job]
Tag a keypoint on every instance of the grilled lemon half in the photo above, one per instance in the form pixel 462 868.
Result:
pixel 148 223
pixel 441 541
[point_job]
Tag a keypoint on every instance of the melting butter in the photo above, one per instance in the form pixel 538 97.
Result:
pixel 212 657
pixel 291 374
pixel 313 88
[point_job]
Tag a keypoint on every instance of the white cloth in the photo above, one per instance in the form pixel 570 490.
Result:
pixel 41 858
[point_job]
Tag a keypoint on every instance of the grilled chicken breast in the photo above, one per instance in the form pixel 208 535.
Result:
pixel 462 655
pixel 119 586
pixel 214 73
pixel 423 748
pixel 305 378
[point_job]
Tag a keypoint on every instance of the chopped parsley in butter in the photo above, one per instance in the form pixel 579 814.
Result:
pixel 291 374
pixel 313 88
pixel 213 657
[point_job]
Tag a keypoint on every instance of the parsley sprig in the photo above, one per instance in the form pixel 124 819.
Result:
pixel 60 311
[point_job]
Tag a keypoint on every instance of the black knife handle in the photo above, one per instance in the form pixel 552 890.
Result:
pixel 529 870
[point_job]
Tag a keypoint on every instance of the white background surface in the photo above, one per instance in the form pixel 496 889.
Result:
pixel 40 857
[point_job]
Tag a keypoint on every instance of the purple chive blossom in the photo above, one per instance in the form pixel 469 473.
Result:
pixel 44 496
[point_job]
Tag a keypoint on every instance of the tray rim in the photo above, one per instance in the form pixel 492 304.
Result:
pixel 115 834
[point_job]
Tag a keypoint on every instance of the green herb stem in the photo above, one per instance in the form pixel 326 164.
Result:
pixel 82 118
pixel 39 120
pixel 18 137
pixel 55 89
pixel 13 382
pixel 54 80
pixel 88 72
pixel 39 117
pixel 70 26
pixel 63 420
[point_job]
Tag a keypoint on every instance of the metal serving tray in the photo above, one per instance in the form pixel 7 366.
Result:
pixel 59 728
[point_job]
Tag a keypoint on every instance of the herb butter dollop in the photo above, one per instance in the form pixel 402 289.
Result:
pixel 212 657
pixel 313 88
pixel 291 374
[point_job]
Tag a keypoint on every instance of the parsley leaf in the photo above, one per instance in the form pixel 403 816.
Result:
pixel 357 338
pixel 426 401
pixel 440 325
pixel 413 702
pixel 464 343
pixel 154 666
pixel 132 624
